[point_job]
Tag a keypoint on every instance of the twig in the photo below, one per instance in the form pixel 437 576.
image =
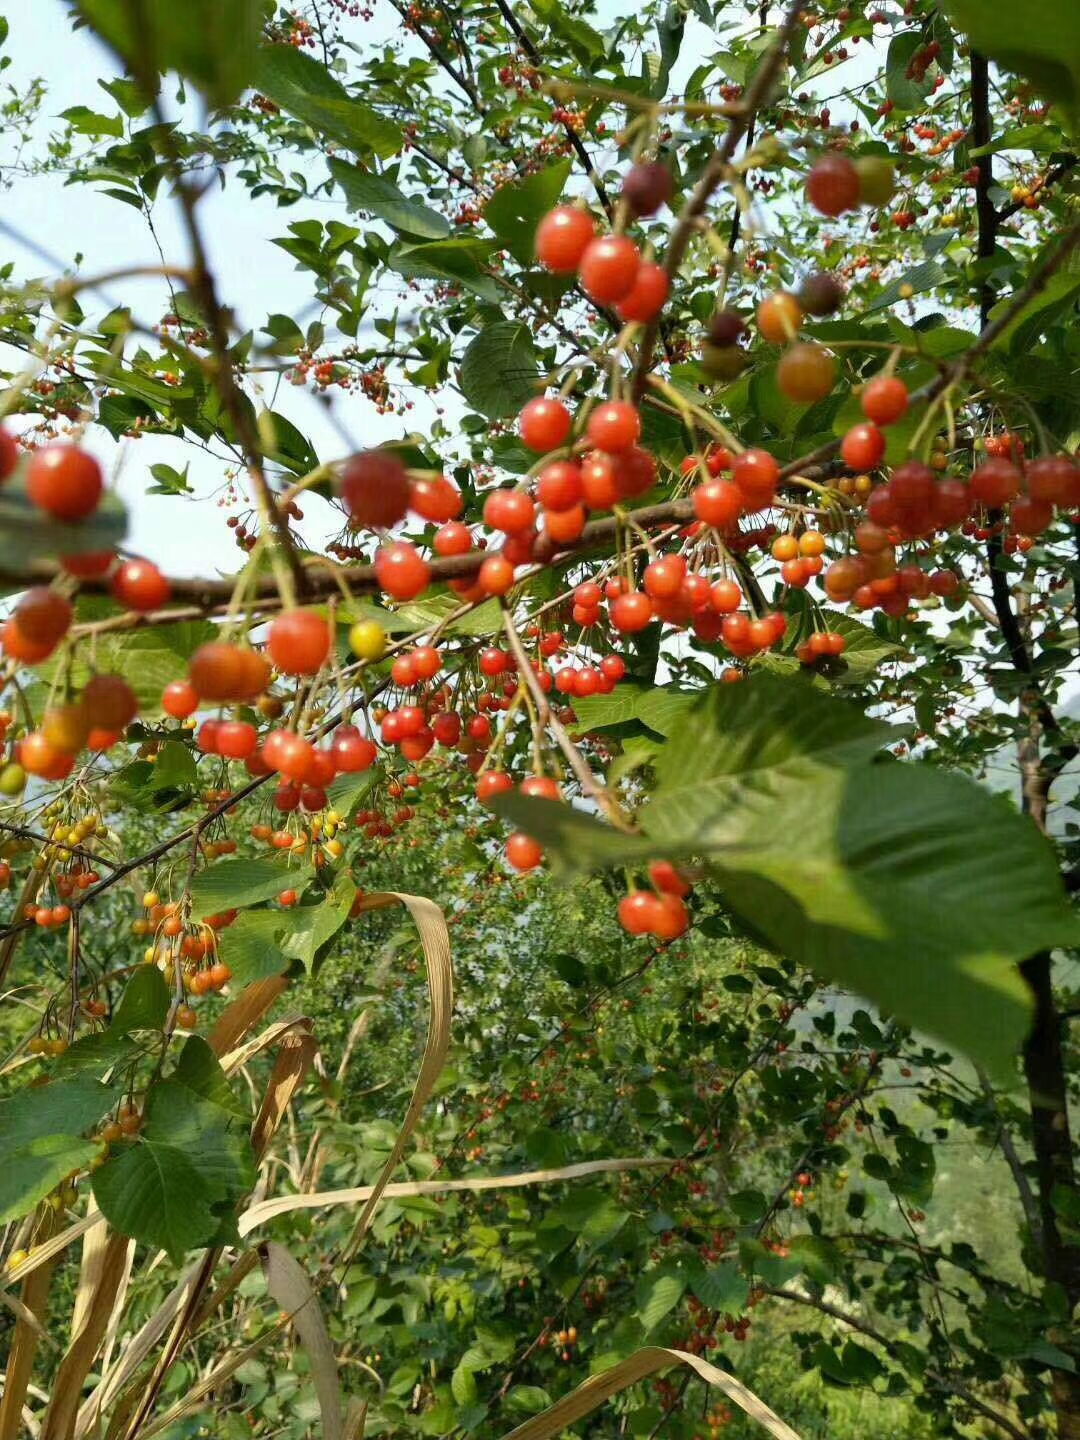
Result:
pixel 586 779
pixel 757 93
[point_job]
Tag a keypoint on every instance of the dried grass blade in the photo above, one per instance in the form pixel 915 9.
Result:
pixel 435 940
pixel 284 1204
pixel 34 1298
pixel 598 1388
pixel 296 1052
pixel 245 1011
pixel 67 1386
pixel 289 1285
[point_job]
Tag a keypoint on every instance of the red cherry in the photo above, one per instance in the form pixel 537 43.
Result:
pixel 832 185
pixel 995 482
pixel 1053 478
pixel 351 751
pixel 544 424
pixel 863 447
pixel 88 565
pixel 179 699
pixel 452 539
pixel 559 486
pixel 663 578
pixel 509 511
pixel 756 474
pixel 206 739
pixel 637 912
pixel 725 597
pixel 646 299
pixel 496 575
pixel 492 783
pixel 9 453
pixel 375 489
pixel 884 399
pixel 401 570
pixel 236 739
pixel 670 919
pixel 563 527
pixel 435 498
pixel 608 268
pixel 614 426
pixel 600 481
pixel 139 585
pixel 299 642
pixel 64 481
pixel 542 787
pixel 718 503
pixel 561 238
pixel 523 853
pixel 43 616
pixel 631 612
pixel 665 877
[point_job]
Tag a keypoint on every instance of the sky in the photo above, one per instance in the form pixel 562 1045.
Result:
pixel 254 277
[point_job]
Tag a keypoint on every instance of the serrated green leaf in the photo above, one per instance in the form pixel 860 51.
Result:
pixel 657 1293
pixel 236 884
pixel 144 1003
pixel 499 369
pixel 309 92
pixel 516 208
pixel 28 534
pixel 375 195
pixel 1043 47
pixel 173 1187
pixel 43 1129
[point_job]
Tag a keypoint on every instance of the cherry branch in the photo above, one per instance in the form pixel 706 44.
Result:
pixel 526 43
pixel 757 92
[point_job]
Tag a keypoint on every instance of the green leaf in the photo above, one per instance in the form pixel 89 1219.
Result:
pixel 913 886
pixel 1043 46
pixel 1057 298
pixel 346 791
pixel 905 93
pixel 657 1293
pixel 144 1003
pixel 62 1107
pixel 928 275
pixel 515 209
pixel 236 884
pixel 499 369
pixel 174 1186
pixel 599 712
pixel 309 927
pixel 723 1287
pixel 42 1128
pixel 147 659
pixel 575 839
pixel 527 1399
pixel 458 260
pixel 381 197
pixel 212 43
pixel 251 946
pixel 88 122
pixel 31 1170
pixel 28 534
pixel 662 708
pixel 309 92
pixel 199 1070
